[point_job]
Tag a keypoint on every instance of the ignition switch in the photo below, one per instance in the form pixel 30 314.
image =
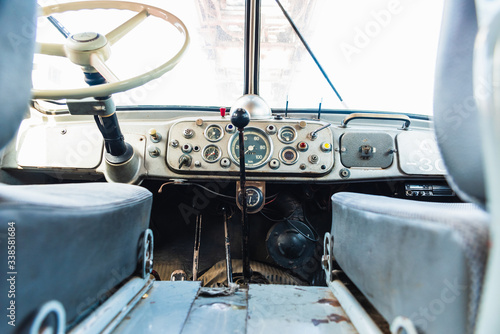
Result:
pixel 366 152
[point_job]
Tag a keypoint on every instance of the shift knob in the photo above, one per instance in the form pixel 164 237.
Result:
pixel 240 118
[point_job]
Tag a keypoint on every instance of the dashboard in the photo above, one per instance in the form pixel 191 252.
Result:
pixel 274 146
pixel 204 145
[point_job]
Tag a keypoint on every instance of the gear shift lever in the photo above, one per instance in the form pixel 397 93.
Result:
pixel 240 118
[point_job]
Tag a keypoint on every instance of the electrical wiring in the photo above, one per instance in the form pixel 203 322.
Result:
pixel 198 185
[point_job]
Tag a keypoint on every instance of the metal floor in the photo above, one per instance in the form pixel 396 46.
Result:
pixel 175 307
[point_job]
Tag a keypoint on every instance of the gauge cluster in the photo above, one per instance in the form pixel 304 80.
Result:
pixel 277 146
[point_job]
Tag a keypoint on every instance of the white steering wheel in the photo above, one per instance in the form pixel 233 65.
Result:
pixel 91 50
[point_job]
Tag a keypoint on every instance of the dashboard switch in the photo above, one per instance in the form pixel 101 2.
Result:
pixel 225 163
pixel 188 133
pixel 153 151
pixel 274 164
pixel 185 160
pixel 313 158
pixel 155 136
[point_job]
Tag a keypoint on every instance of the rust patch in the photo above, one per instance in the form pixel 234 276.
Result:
pixel 337 318
pixel 316 322
pixel 333 302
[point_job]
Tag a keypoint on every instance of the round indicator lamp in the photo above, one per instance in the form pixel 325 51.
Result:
pixel 326 147
pixel 302 146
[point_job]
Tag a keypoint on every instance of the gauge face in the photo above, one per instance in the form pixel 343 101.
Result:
pixel 254 197
pixel 211 153
pixel 289 155
pixel 214 132
pixel 258 148
pixel 287 134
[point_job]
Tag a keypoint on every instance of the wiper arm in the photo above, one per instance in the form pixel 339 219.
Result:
pixel 58 25
pixel 308 48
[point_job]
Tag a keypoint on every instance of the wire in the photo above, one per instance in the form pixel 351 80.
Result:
pixel 277 220
pixel 198 185
pixel 316 237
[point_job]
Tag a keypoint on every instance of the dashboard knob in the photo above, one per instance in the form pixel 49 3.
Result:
pixel 240 118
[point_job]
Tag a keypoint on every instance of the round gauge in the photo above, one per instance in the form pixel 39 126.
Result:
pixel 287 135
pixel 211 153
pixel 255 199
pixel 214 132
pixel 258 148
pixel 289 155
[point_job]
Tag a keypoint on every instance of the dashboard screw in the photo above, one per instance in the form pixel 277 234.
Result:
pixel 344 173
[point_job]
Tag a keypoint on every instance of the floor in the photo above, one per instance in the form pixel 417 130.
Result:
pixel 179 307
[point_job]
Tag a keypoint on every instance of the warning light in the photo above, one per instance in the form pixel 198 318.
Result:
pixel 326 147
pixel 302 146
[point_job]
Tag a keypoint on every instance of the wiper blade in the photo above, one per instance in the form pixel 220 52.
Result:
pixel 294 27
pixel 58 25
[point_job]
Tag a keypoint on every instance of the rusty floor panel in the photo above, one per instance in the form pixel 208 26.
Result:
pixel 177 307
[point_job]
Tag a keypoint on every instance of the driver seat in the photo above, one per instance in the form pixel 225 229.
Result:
pixel 425 261
pixel 69 243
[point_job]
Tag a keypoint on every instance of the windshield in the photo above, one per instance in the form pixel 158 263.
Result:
pixel 379 54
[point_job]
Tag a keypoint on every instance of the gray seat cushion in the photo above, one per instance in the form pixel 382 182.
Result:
pixel 416 259
pixel 74 243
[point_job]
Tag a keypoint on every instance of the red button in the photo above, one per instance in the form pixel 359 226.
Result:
pixel 223 111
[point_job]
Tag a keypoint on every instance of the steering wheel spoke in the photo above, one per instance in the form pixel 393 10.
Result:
pixel 116 34
pixel 98 63
pixel 51 49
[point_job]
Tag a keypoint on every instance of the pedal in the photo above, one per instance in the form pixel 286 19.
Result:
pixel 178 275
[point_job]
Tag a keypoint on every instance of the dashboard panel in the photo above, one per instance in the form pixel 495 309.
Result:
pixel 211 145
pixel 203 145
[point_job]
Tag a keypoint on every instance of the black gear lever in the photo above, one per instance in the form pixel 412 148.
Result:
pixel 240 118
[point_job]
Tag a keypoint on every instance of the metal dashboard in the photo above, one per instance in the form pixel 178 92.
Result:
pixel 71 147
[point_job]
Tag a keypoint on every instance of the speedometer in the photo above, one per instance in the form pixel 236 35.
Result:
pixel 258 148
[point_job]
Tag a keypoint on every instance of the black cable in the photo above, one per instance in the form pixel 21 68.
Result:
pixel 316 236
pixel 206 189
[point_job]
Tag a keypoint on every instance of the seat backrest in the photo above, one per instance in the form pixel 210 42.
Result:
pixel 17 40
pixel 455 112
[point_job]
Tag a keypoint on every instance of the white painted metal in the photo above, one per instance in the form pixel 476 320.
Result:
pixel 487 95
pixel 164 310
pixel 295 309
pixel 105 318
pixel 360 319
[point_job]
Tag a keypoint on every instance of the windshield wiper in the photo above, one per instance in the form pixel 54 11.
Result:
pixel 294 27
pixel 58 25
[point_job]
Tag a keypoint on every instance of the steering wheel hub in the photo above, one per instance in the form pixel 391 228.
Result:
pixel 79 48
pixel 85 37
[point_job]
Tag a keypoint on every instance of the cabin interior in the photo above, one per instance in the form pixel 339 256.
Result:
pixel 124 207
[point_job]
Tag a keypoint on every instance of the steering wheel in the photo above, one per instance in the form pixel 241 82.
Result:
pixel 91 50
